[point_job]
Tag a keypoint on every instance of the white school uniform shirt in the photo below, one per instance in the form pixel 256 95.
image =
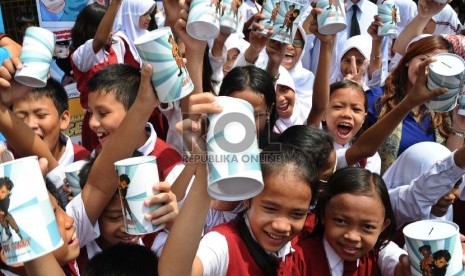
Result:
pixel 365 15
pixel 418 178
pixel 387 260
pixel 214 255
pixel 373 162
pixel 87 233
pixel 57 175
pixel 84 57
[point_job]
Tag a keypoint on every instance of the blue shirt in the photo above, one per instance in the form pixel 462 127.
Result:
pixel 412 132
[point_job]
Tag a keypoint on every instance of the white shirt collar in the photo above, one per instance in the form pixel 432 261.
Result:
pixel 149 145
pixel 285 250
pixel 68 155
pixel 336 264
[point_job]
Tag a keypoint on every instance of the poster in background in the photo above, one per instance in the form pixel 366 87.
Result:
pixel 2 26
pixel 59 16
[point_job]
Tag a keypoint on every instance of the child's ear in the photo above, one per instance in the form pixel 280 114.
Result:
pixel 64 120
pixel 387 222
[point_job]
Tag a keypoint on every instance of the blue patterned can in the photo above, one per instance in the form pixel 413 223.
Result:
pixel 333 18
pixel 287 20
pixel 36 56
pixel 447 71
pixel 233 159
pixel 203 22
pixel 389 15
pixel 136 176
pixel 434 248
pixel 28 228
pixel 170 77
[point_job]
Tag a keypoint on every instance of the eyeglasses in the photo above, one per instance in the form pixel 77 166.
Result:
pixel 298 43
pixel 334 169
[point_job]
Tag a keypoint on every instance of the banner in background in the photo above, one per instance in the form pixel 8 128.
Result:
pixel 59 16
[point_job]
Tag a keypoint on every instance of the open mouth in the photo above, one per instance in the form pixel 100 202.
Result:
pixel 73 239
pixel 344 129
pixel 101 135
pixel 283 107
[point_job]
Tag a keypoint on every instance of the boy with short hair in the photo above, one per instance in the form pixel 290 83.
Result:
pixel 46 111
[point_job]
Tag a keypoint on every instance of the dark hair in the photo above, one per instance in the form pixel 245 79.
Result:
pixel 6 181
pixel 60 196
pixel 54 91
pixel 358 181
pixel 425 246
pixel 442 254
pixel 317 143
pixel 125 178
pixel 241 78
pixel 276 158
pixel 120 80
pixel 86 24
pixel 123 259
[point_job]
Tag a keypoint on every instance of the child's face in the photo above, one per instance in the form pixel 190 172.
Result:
pixel 440 208
pixel 111 224
pixel 42 116
pixel 346 62
pixel 144 20
pixel 4 192
pixel 353 224
pixel 426 252
pixel 259 106
pixel 345 114
pixel 278 213
pixel 285 99
pixel 230 59
pixel 106 114
pixel 440 262
pixel 415 62
pixel 293 51
pixel 70 249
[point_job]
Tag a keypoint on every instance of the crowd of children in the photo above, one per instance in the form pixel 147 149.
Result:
pixel 357 155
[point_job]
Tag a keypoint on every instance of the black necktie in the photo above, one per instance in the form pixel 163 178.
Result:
pixel 354 27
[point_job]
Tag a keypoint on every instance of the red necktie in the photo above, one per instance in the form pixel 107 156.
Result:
pixel 350 268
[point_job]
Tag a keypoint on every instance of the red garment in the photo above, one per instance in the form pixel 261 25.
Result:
pixel 240 260
pixel 80 153
pixel 314 257
pixel 167 158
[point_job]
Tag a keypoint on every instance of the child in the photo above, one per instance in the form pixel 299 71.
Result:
pixel 424 182
pixel 288 107
pixel 100 187
pixel 343 107
pixel 441 260
pixel 268 225
pixel 45 110
pixel 427 262
pixel 132 21
pixel 355 220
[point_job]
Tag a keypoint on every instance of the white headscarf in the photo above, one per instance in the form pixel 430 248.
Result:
pixel 363 44
pixel 235 40
pixel 413 162
pixel 303 78
pixel 447 21
pixel 127 21
pixel 297 117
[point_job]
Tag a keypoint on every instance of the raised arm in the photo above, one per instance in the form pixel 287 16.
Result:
pixel 13 47
pixel 369 142
pixel 320 97
pixel 426 10
pixel 106 26
pixel 181 248
pixel 100 185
